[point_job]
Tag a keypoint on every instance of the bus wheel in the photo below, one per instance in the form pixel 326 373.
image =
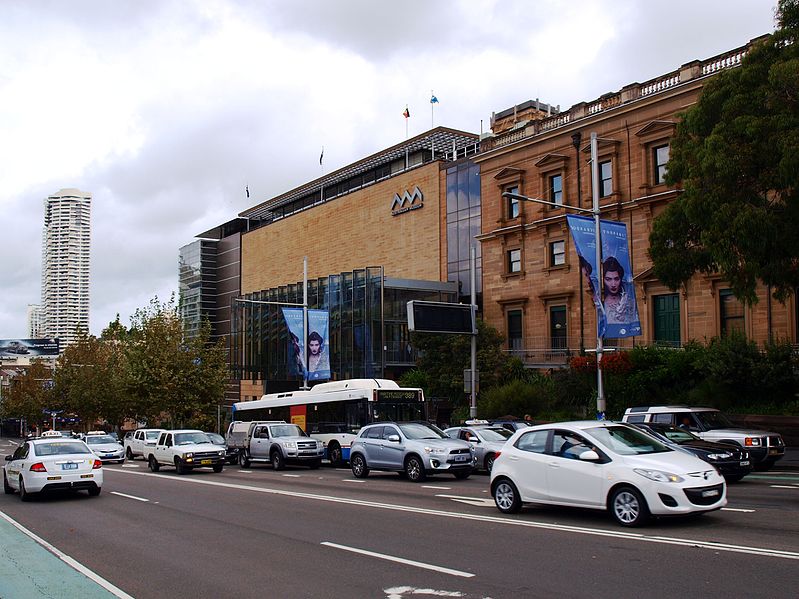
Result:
pixel 335 453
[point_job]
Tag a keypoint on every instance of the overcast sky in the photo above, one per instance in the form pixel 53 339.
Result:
pixel 165 110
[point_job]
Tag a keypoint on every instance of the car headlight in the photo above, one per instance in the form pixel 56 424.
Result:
pixel 659 475
pixel 289 445
pixel 752 442
pixel 221 453
pixel 719 456
pixel 436 450
pixel 188 455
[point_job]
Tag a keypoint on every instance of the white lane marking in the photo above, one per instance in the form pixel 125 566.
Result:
pixel 400 560
pixel 117 592
pixel 130 465
pixel 783 487
pixel 293 475
pixel 619 534
pixel 129 496
pixel 399 592
pixel 246 471
pixel 352 480
pixel 437 488
pixel 476 501
pixel 736 509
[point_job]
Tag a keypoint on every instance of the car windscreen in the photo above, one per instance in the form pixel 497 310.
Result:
pixel 414 430
pixel 286 430
pixel 100 439
pixel 188 438
pixel 625 440
pixel 495 434
pixel 216 439
pixel 152 435
pixel 677 435
pixel 60 448
pixel 713 420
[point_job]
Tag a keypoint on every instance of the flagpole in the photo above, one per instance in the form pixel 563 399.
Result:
pixel 432 108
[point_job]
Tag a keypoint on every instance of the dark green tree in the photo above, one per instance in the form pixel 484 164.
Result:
pixel 173 377
pixel 29 394
pixel 736 153
pixel 443 358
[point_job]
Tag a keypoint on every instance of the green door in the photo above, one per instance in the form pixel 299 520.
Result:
pixel 667 319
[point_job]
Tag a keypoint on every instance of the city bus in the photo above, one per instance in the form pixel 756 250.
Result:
pixel 334 412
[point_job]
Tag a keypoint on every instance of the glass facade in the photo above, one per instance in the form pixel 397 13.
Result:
pixel 368 335
pixel 196 284
pixel 463 224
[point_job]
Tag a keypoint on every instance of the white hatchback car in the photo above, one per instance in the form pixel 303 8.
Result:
pixel 51 464
pixel 603 465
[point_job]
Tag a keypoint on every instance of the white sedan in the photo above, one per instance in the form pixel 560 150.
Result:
pixel 51 464
pixel 606 466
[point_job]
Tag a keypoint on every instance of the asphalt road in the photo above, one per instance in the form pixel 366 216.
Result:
pixel 322 533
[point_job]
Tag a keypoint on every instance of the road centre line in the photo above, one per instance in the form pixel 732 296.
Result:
pixel 437 488
pixel 783 487
pixel 293 475
pixel 399 560
pixel 129 496
pixel 508 521
pixel 736 509
pixel 76 565
pixel 352 480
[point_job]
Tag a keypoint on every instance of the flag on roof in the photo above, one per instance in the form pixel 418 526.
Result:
pixel 433 99
pixel 406 113
pixel 322 155
pixel 247 189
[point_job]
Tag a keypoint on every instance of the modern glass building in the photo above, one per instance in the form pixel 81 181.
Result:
pixel 196 274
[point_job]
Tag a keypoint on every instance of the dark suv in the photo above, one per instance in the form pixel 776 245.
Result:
pixel 414 449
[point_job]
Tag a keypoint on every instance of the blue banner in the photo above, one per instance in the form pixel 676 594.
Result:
pixel 618 310
pixel 317 340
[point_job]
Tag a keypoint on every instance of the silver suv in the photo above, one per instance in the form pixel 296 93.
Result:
pixel 487 440
pixel 764 447
pixel 414 449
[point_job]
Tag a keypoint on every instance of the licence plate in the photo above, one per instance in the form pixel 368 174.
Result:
pixel 69 466
pixel 745 463
pixel 710 493
pixel 205 462
pixel 461 458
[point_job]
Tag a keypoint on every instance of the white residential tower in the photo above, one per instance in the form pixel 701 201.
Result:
pixel 65 264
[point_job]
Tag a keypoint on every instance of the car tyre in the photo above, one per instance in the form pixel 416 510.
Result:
pixel 218 467
pixel 94 491
pixel 277 460
pixel 506 496
pixel 628 506
pixel 7 488
pixel 129 454
pixel 315 464
pixel 359 467
pixel 180 466
pixel 462 474
pixel 764 465
pixel 414 469
pixel 244 459
pixel 23 492
pixel 734 478
pixel 154 465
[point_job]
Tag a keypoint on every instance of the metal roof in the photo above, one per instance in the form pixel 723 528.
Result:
pixel 441 140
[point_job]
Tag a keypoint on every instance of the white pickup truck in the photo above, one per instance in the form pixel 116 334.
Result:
pixel 278 443
pixel 140 442
pixel 186 449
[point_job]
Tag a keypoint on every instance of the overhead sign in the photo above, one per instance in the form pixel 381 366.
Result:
pixel 407 201
pixel 28 347
pixel 441 317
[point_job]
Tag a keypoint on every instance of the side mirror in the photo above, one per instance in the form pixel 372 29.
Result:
pixel 8 458
pixel 589 456
pixel 393 438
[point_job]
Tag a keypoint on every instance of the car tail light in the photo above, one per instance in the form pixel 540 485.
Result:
pixel 97 464
pixel 38 467
pixel 497 454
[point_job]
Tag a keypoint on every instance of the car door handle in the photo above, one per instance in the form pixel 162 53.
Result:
pixel 554 465
pixel 513 458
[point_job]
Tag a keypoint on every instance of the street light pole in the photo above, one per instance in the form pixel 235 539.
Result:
pixel 595 211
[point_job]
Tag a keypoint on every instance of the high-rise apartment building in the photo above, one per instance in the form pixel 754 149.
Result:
pixel 65 264
pixel 35 329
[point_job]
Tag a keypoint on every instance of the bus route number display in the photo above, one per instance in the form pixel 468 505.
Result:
pixel 397 395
